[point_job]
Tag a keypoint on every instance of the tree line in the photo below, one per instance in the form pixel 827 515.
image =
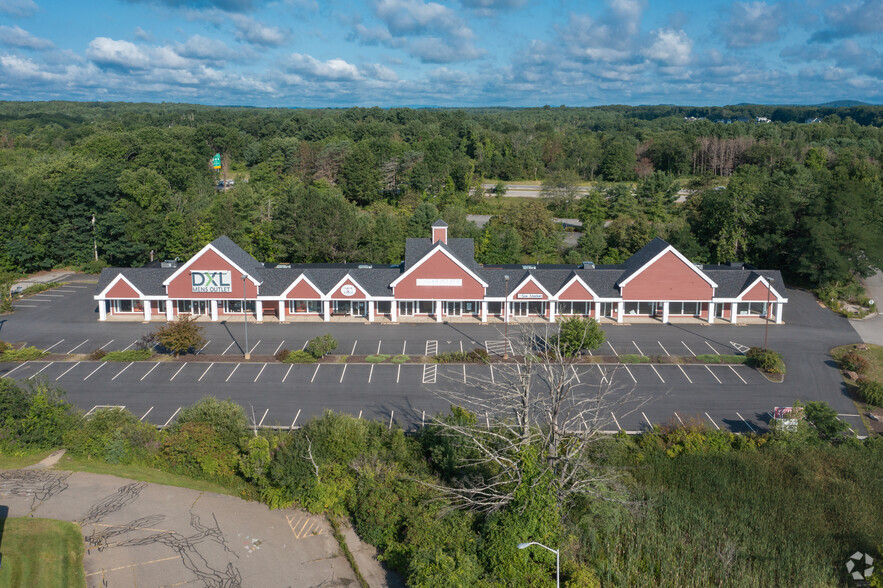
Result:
pixel 352 184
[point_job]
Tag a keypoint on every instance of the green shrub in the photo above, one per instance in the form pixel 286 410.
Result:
pixel 282 355
pixel 708 358
pixel 477 355
pixel 37 288
pixel 4 346
pixel 633 358
pixel 34 415
pixel 299 356
pixel 97 354
pixel 93 267
pixel 113 435
pixel 766 360
pixel 400 359
pixel 225 417
pixel 871 392
pixel 854 362
pixel 23 354
pixel 128 355
pixel 321 345
pixel 578 333
pixel 377 358
pixel 183 335
pixel 197 450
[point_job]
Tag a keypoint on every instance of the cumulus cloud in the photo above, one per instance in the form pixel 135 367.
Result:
pixel 199 47
pixel 490 7
pixel 847 20
pixel 228 5
pixel 669 47
pixel 333 69
pixel 19 8
pixel 251 31
pixel 142 34
pixel 752 23
pixel 18 37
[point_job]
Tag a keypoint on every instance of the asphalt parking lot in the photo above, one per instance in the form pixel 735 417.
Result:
pixel 732 397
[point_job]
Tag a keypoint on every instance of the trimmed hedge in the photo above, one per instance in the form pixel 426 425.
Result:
pixel 23 354
pixel 380 358
pixel 128 355
pixel 633 358
pixel 299 356
pixel 710 358
pixel 400 359
pixel 871 392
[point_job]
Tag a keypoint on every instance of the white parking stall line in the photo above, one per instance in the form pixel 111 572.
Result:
pixel 74 286
pixel 26 305
pixel 646 419
pixel 106 344
pixel 130 344
pixel 315 372
pixel 228 347
pixel 150 370
pixel 78 346
pixel 492 374
pixel 630 373
pixel 286 373
pixel 40 370
pixel 121 371
pixel 603 375
pixel 712 373
pixel 255 346
pixel 430 373
pixel 370 373
pixel 260 372
pixel 404 345
pixel 295 418
pixel 353 352
pixel 280 347
pixel 56 345
pixel 398 373
pixel 657 373
pixel 95 370
pixel 174 414
pixel 688 349
pixel 179 371
pixel 716 352
pixel 305 345
pixel 712 421
pixel 575 375
pixel 53 295
pixel 663 349
pixel 32 299
pixel 201 349
pixel 67 370
pixel 146 413
pixel 612 349
pixel 464 370
pixel 378 346
pixel 638 348
pixel 205 372
pixel 342 374
pixel 679 418
pixel 461 345
pixel 263 417
pixel 231 373
pixel 431 347
pixel 737 374
pixel 616 421
pixel 685 374
pixel 746 422
pixel 66 291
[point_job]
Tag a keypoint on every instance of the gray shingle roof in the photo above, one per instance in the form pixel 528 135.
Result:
pixel 439 223
pixel 462 249
pixel 237 254
pixel 641 257
pixel 148 280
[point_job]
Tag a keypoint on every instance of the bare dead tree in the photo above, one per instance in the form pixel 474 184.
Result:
pixel 534 405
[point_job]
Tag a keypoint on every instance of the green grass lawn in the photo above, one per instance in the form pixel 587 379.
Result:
pixel 41 552
pixel 14 462
pixel 874 355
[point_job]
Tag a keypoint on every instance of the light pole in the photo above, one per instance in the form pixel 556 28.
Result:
pixel 506 320
pixel 245 315
pixel 557 559
pixel 766 332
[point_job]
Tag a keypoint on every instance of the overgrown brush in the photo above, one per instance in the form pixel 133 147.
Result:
pixel 23 354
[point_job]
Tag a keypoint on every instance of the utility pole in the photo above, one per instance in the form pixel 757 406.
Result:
pixel 767 328
pixel 94 240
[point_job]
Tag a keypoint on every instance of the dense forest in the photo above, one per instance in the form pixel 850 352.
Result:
pixel 134 181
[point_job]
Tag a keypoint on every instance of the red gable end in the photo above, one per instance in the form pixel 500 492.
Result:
pixel 122 289
pixel 182 287
pixel 303 290
pixel 576 291
pixel 529 291
pixel 669 278
pixel 343 292
pixel 759 293
pixel 435 279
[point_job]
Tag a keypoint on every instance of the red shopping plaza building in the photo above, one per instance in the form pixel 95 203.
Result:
pixel 441 281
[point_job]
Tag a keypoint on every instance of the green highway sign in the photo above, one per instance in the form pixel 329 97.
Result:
pixel 216 161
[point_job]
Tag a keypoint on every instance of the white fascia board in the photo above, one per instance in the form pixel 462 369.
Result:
pixel 103 294
pixel 530 278
pixel 327 295
pixel 680 256
pixel 208 247
pixel 766 284
pixel 299 279
pixel 432 252
pixel 575 278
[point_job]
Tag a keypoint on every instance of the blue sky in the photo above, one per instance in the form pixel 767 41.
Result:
pixel 446 53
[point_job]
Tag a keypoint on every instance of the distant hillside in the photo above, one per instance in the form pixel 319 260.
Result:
pixel 843 104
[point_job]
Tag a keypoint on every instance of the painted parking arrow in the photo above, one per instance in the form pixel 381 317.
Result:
pixel 739 347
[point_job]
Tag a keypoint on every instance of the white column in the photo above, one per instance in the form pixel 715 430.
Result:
pixel 733 316
pixel 102 310
pixel 370 304
pixel 711 313
pixel 326 310
pixel 438 311
pixel 665 312
pixel 147 310
pixel 483 311
pixel 552 309
pixel 259 310
pixel 213 308
pixel 170 316
pixel 780 306
pixel 620 311
pixel 393 311
pixel 282 304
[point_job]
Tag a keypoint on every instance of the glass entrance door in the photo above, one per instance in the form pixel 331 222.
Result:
pixel 406 308
pixel 607 309
pixel 453 308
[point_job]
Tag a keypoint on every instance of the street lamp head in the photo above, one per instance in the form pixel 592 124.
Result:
pixel 523 545
pixel 506 277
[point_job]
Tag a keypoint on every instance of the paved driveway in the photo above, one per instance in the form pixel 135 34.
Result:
pixel 139 534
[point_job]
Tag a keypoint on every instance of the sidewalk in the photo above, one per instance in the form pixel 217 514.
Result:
pixel 871 330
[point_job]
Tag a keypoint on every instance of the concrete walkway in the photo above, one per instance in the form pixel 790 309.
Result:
pixel 871 329
pixel 140 534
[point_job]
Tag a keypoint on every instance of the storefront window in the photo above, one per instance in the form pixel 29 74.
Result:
pixel 577 308
pixel 426 307
pixel 235 306
pixel 305 306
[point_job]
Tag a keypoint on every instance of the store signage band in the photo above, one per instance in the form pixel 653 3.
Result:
pixel 211 281
pixel 457 282
pixel 532 296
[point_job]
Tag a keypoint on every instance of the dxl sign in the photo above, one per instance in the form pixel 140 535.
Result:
pixel 211 281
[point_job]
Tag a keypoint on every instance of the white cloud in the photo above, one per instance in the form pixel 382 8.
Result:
pixel 414 16
pixel 753 23
pixel 849 19
pixel 333 69
pixel 142 34
pixel 18 37
pixel 669 47
pixel 19 8
pixel 251 31
pixel 105 51
pixel 199 47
